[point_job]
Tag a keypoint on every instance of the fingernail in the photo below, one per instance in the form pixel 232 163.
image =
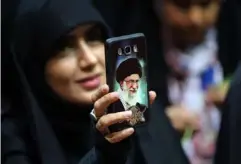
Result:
pixel 129 130
pixel 104 88
pixel 105 85
pixel 115 94
pixel 128 114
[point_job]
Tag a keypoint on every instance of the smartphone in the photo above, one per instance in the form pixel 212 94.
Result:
pixel 126 68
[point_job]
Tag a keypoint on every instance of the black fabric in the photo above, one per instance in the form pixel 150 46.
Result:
pixel 229 143
pixel 229 139
pixel 10 10
pixel 8 14
pixel 134 68
pixel 229 35
pixel 157 140
pixel 123 148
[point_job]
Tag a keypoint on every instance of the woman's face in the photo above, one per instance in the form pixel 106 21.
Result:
pixel 78 68
pixel 189 19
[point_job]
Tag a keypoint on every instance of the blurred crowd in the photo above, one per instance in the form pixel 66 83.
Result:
pixel 50 48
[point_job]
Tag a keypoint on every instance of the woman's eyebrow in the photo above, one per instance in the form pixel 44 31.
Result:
pixel 91 28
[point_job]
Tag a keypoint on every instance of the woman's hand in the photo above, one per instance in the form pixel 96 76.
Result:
pixel 102 99
pixel 181 118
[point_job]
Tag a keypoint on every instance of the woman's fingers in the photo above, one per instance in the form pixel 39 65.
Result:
pixel 102 99
pixel 119 136
pixel 110 119
pixel 101 105
pixel 152 96
pixel 103 90
pixel 113 118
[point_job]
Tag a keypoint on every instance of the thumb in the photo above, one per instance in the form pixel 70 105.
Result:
pixel 152 96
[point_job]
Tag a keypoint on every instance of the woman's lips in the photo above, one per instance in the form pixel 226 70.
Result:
pixel 90 82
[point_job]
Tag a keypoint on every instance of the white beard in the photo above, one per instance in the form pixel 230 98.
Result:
pixel 131 99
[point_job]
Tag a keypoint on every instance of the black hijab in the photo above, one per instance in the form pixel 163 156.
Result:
pixel 52 121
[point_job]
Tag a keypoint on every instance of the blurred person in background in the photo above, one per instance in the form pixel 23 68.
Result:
pixel 190 49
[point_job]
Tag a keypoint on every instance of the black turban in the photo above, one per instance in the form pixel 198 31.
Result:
pixel 127 68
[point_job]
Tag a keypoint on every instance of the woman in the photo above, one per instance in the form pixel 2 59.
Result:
pixel 65 68
pixel 58 52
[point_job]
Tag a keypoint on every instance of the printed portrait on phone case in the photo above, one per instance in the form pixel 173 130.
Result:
pixel 126 67
pixel 131 86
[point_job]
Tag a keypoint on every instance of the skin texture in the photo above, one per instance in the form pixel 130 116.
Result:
pixel 66 71
pixel 131 83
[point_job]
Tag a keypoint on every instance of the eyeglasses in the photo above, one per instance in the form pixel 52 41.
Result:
pixel 132 81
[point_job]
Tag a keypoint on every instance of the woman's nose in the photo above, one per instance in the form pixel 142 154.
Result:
pixel 87 59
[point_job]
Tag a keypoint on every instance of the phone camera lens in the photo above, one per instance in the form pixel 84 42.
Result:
pixel 127 50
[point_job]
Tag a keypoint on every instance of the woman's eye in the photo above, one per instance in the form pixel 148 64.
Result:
pixel 94 35
pixel 66 42
pixel 65 46
pixel 66 52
